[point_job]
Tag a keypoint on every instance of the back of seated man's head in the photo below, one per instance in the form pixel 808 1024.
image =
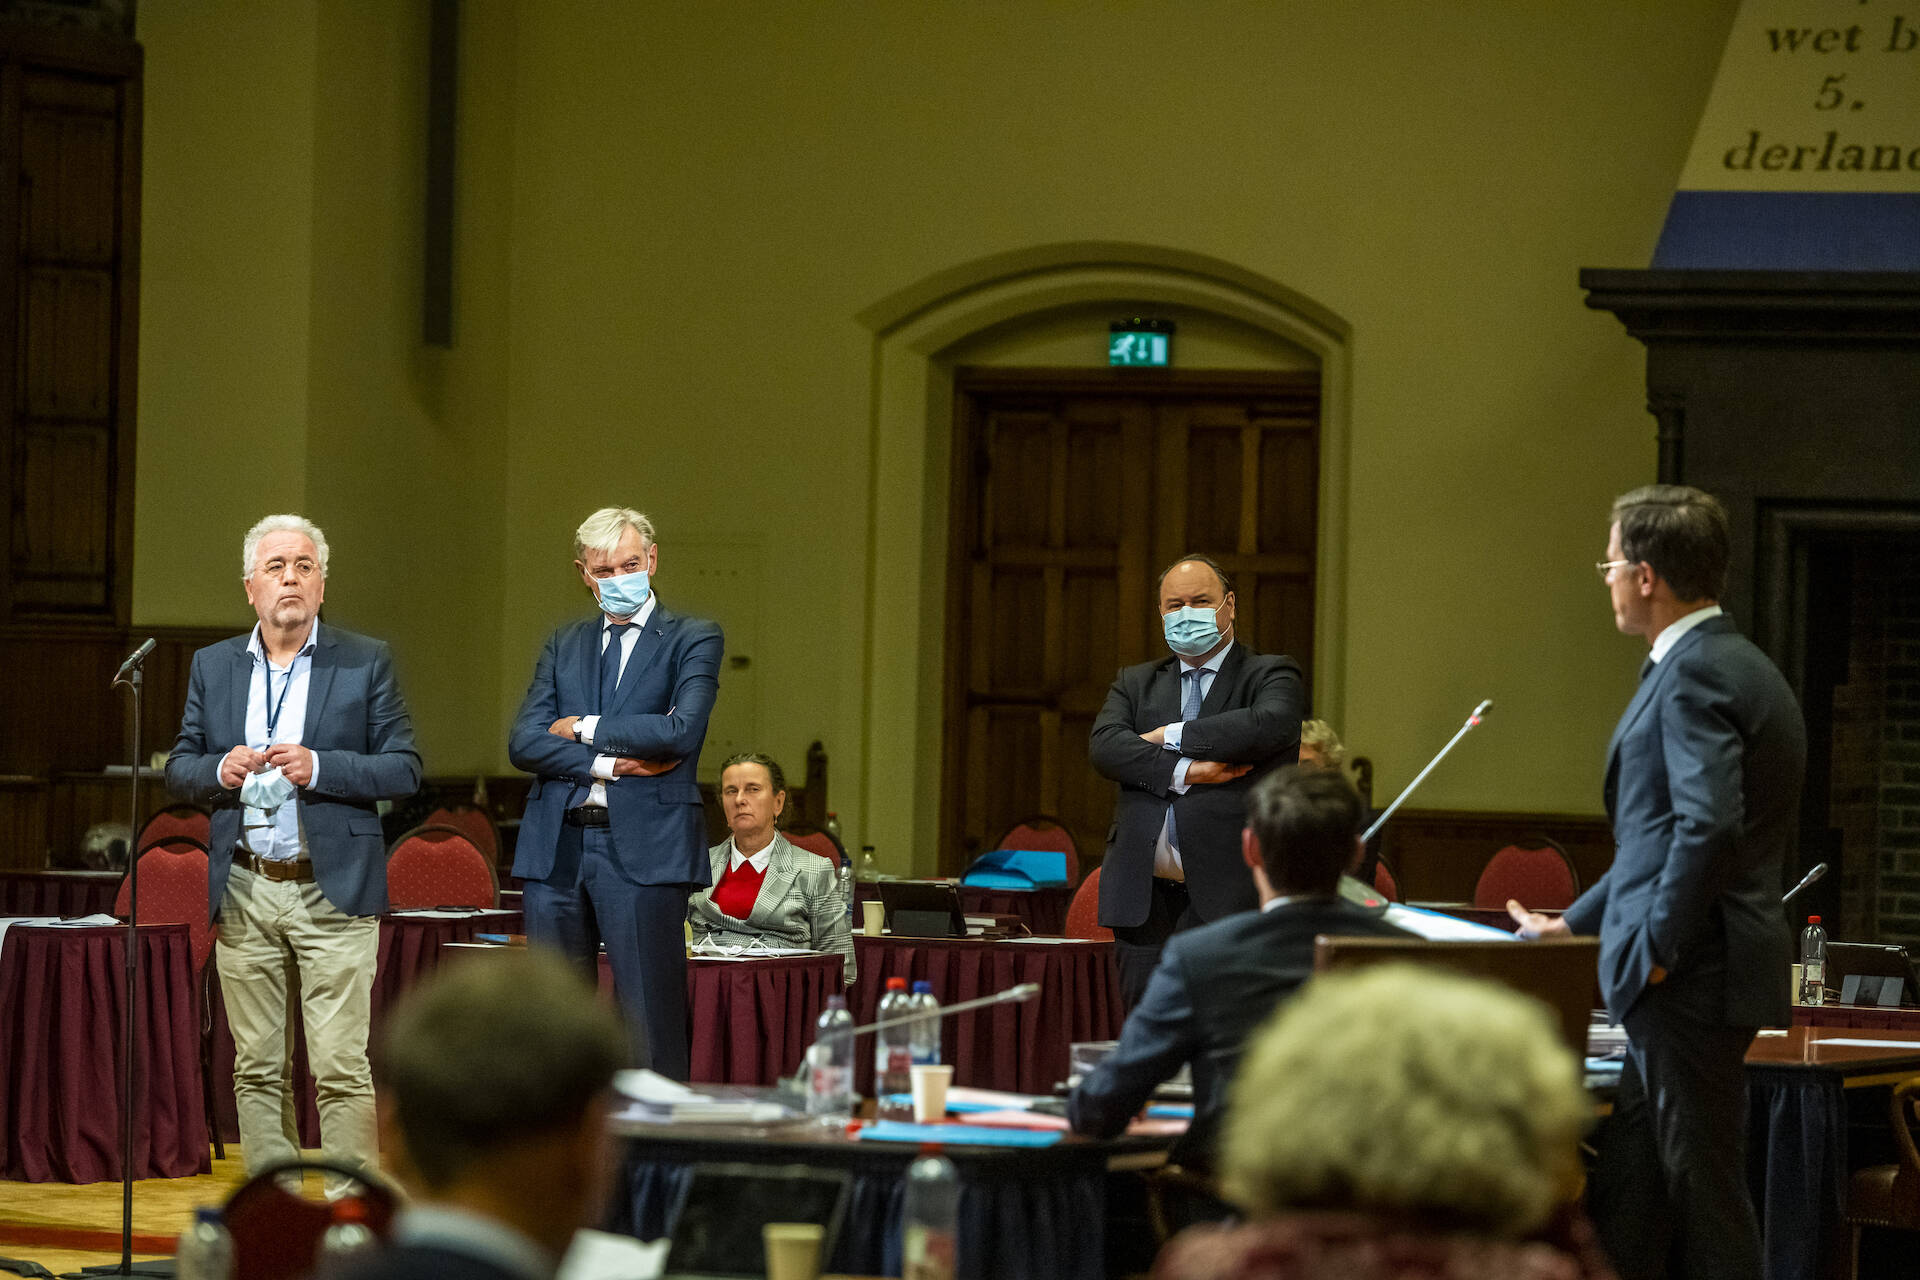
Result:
pixel 1304 821
pixel 499 1069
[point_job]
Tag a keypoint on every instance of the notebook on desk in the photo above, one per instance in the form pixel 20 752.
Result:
pixel 718 1219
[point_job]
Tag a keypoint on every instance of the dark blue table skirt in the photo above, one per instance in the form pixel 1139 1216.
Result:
pixel 1797 1168
pixel 1051 1224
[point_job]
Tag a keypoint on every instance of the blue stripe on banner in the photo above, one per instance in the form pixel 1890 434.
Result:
pixel 1791 231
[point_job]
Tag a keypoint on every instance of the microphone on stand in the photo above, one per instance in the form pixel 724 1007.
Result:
pixel 1012 995
pixel 1473 722
pixel 134 659
pixel 1819 869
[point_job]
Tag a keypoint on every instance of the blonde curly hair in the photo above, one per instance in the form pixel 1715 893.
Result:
pixel 1405 1089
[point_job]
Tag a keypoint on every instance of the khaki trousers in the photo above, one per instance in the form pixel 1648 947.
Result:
pixel 271 933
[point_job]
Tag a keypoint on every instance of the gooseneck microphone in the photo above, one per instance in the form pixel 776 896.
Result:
pixel 1819 869
pixel 1473 722
pixel 134 659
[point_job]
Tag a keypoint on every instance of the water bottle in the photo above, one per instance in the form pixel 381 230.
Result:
pixel 930 1235
pixel 869 867
pixel 1813 963
pixel 926 1032
pixel 349 1233
pixel 205 1251
pixel 830 1079
pixel 893 1055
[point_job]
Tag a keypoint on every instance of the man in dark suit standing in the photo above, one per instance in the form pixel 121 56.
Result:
pixel 1703 786
pixel 290 735
pixel 1185 737
pixel 1217 983
pixel 614 838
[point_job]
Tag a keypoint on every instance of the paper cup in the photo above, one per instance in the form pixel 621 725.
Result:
pixel 793 1250
pixel 1796 971
pixel 930 1081
pixel 873 918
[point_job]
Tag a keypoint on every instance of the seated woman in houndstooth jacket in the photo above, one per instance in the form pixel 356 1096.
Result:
pixel 766 892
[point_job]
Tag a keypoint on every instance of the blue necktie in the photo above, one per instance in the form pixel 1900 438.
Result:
pixel 610 663
pixel 1189 710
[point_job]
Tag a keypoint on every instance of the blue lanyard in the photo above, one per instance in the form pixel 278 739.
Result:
pixel 274 708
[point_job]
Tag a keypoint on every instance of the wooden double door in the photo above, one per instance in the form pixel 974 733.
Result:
pixel 1071 491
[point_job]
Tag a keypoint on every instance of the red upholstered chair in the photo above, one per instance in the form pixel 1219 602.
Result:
pixel 1043 832
pixel 173 890
pixel 434 866
pixel 1542 879
pixel 471 821
pixel 803 835
pixel 1083 914
pixel 187 820
pixel 1383 882
pixel 276 1232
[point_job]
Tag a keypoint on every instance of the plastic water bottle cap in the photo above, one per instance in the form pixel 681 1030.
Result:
pixel 923 987
pixel 1813 919
pixel 896 984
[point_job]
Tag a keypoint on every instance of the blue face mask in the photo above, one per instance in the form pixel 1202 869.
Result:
pixel 622 595
pixel 1191 631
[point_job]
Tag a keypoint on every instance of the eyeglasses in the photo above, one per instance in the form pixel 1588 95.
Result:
pixel 1606 567
pixel 302 568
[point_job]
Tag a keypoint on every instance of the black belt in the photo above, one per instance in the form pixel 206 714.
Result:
pixel 589 815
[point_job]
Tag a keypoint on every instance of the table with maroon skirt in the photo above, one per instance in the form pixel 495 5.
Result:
pixel 58 893
pixel 62 1017
pixel 1019 1046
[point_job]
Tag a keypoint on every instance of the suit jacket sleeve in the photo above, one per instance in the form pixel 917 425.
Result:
pixel 389 768
pixel 1705 759
pixel 1268 725
pixel 677 734
pixel 530 747
pixel 827 919
pixel 193 766
pixel 1119 753
pixel 1585 914
pixel 1159 1035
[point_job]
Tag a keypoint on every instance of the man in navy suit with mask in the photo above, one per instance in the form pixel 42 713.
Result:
pixel 1703 786
pixel 1185 738
pixel 614 839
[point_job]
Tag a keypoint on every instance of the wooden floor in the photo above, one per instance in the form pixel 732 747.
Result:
pixel 64 1227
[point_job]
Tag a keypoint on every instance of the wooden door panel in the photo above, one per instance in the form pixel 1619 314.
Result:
pixel 1093 489
pixel 59 550
pixel 1018 494
pixel 1213 487
pixel 66 343
pixel 69 176
pixel 1289 485
pixel 1016 643
pixel 1089 642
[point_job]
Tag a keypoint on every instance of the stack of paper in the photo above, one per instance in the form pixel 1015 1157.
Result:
pixel 656 1099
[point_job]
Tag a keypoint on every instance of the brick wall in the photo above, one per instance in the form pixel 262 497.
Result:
pixel 1875 788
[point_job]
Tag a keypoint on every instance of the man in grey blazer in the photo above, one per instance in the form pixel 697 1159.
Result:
pixel 1703 786
pixel 290 735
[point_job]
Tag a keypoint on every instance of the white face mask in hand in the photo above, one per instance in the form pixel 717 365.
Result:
pixel 266 791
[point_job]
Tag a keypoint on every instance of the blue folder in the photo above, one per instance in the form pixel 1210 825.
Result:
pixel 1018 869
pixel 959 1134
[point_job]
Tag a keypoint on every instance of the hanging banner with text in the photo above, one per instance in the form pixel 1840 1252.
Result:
pixel 1808 155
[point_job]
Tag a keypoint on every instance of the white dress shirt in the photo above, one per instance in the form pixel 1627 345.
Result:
pixel 277 834
pixel 603 765
pixel 1167 863
pixel 1671 633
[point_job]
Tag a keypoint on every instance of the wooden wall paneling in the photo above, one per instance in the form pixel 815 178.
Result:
pixel 23 822
pixel 1439 853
